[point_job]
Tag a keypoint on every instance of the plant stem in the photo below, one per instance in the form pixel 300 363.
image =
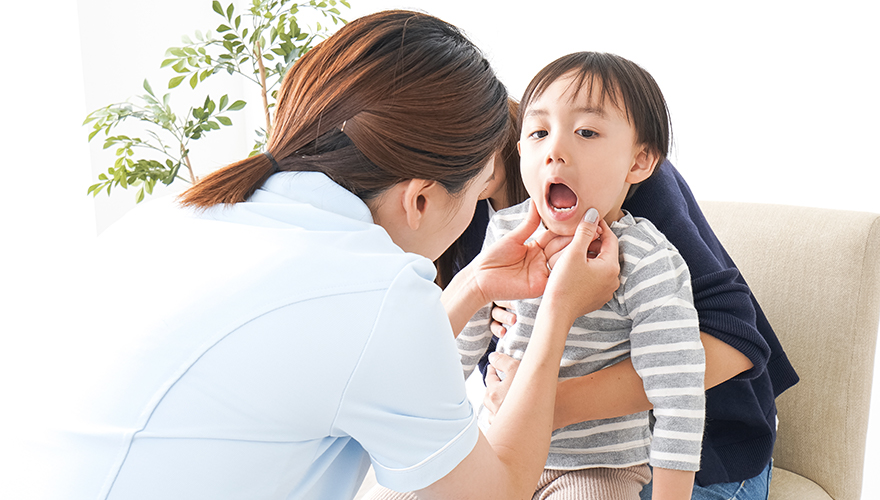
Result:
pixel 192 176
pixel 259 57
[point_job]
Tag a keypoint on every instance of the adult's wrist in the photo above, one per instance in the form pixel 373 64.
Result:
pixel 462 298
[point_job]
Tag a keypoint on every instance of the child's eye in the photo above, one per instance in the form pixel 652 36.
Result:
pixel 586 133
pixel 538 134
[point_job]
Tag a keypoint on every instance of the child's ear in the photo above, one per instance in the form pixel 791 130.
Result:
pixel 643 165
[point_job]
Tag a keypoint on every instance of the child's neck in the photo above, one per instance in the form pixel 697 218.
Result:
pixel 613 215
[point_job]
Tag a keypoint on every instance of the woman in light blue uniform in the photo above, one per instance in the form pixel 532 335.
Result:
pixel 303 338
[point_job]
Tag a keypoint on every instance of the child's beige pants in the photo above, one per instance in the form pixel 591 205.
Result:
pixel 584 484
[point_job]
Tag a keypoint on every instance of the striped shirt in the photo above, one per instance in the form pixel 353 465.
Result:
pixel 651 319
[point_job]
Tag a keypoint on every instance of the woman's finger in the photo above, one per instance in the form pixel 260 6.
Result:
pixel 527 227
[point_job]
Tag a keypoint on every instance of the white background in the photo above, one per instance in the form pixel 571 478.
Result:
pixel 771 102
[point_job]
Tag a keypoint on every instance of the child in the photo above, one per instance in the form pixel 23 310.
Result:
pixel 593 125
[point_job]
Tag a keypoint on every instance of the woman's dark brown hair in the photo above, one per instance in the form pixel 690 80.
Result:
pixel 458 255
pixel 391 96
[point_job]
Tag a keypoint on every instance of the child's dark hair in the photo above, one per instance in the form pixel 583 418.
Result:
pixel 619 79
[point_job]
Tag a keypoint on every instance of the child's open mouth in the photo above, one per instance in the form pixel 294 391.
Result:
pixel 561 198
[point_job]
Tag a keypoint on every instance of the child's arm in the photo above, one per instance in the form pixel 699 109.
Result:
pixel 672 484
pixel 668 356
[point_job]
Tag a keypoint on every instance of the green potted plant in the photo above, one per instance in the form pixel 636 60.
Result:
pixel 258 45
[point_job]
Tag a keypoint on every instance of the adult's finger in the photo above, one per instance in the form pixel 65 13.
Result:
pixel 497 329
pixel 586 231
pixel 504 364
pixel 502 315
pixel 527 227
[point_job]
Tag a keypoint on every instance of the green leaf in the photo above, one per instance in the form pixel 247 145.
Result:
pixel 176 51
pixel 175 81
pixel 140 195
pixel 166 62
pixel 148 88
pixel 194 80
pixel 217 7
pixel 238 22
pixel 223 102
pixel 187 40
pixel 224 120
pixel 199 36
pixel 229 11
pixel 222 28
pixel 237 105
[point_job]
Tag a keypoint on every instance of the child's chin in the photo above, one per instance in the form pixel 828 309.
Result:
pixel 560 228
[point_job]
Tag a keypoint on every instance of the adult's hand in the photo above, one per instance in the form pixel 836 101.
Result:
pixel 584 277
pixel 510 268
pixel 553 245
pixel 500 365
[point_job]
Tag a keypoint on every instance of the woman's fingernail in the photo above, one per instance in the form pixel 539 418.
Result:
pixel 493 356
pixel 592 215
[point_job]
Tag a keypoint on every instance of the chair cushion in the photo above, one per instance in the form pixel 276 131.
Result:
pixel 787 485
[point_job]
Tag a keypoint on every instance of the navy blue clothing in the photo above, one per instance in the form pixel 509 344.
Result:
pixel 741 412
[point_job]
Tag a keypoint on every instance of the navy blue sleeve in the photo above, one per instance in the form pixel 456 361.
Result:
pixel 727 308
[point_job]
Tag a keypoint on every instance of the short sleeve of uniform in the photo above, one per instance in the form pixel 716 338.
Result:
pixel 406 402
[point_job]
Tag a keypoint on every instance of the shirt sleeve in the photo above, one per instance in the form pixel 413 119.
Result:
pixel 406 402
pixel 667 352
pixel 726 307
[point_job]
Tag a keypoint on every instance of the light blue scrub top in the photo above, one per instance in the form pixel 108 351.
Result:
pixel 291 344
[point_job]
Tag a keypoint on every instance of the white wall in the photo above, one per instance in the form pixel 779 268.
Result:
pixel 770 101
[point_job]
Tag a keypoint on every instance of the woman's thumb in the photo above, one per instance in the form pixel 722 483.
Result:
pixel 586 230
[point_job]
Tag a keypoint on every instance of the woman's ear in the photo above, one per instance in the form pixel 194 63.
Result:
pixel 643 165
pixel 415 200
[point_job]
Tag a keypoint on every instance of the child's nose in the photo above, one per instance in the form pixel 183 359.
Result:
pixel 556 152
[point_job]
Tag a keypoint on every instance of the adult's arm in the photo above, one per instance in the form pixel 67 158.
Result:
pixel 507 461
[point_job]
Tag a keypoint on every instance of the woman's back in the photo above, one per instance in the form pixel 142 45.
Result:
pixel 209 397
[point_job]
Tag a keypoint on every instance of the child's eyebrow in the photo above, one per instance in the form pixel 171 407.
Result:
pixel 591 110
pixel 586 110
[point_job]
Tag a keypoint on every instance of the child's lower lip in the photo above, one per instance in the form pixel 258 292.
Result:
pixel 561 215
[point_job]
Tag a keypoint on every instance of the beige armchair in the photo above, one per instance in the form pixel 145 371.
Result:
pixel 816 274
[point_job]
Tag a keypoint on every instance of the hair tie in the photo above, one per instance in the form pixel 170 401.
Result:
pixel 275 167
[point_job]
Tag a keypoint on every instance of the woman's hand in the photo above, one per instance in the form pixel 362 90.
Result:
pixel 586 272
pixel 511 268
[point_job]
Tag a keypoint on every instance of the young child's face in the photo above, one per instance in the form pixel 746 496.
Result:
pixel 576 153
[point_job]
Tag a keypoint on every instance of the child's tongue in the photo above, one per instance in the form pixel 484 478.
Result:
pixel 561 196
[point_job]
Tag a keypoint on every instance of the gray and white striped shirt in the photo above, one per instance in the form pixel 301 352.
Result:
pixel 650 319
